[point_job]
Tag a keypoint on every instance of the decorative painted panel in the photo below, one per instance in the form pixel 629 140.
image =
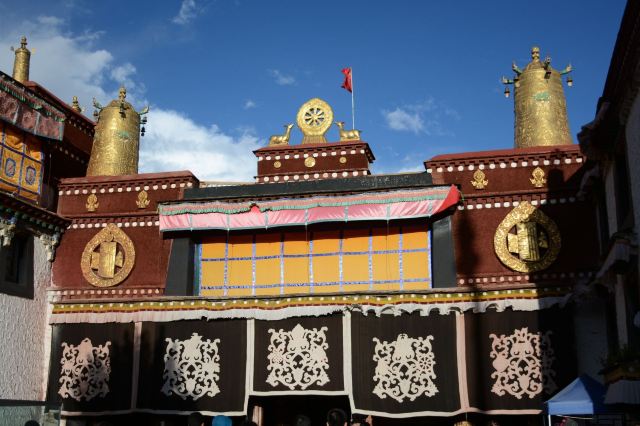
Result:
pixel 21 163
pixel 334 260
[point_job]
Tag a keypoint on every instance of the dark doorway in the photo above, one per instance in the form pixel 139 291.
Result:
pixel 282 410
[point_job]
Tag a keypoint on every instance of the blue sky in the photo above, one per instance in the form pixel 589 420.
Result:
pixel 221 76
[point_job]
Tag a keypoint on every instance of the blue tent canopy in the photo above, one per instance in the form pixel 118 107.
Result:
pixel 582 396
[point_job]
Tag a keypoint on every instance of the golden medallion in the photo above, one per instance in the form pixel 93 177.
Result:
pixel 527 240
pixel 309 161
pixel 92 203
pixel 314 119
pixel 143 199
pixel 108 258
pixel 479 181
pixel 343 160
pixel 538 179
pixel 277 164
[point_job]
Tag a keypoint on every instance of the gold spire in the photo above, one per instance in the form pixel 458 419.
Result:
pixel 117 138
pixel 75 105
pixel 21 63
pixel 540 105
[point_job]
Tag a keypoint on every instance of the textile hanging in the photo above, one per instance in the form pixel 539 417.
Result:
pixel 373 258
pixel 21 163
pixel 517 360
pixel 368 206
pixel 404 366
pixel 91 368
pixel 19 107
pixel 191 366
pixel 299 356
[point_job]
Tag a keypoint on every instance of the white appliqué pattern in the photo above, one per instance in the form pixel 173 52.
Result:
pixel 404 368
pixel 297 358
pixel 85 370
pixel 191 367
pixel 522 363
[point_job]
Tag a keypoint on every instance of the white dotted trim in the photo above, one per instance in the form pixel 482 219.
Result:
pixel 508 204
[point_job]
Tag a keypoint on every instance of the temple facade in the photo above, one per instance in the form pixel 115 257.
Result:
pixel 464 294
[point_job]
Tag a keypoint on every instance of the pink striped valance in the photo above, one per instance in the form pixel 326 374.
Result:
pixel 403 204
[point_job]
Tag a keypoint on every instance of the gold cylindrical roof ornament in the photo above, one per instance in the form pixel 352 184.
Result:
pixel 116 140
pixel 540 105
pixel 21 62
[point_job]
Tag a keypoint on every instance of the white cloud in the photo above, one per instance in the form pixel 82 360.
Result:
pixel 282 79
pixel 187 12
pixel 427 117
pixel 249 104
pixel 68 64
pixel 175 142
pixel 402 120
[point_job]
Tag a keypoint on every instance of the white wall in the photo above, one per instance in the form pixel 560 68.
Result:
pixel 22 336
pixel 633 153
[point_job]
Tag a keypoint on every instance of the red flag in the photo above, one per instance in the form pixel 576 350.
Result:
pixel 347 79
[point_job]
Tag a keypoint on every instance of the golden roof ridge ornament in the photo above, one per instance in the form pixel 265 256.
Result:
pixel 21 61
pixel 116 140
pixel 539 103
pixel 314 119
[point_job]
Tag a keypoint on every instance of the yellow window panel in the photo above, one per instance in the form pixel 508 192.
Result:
pixel 212 273
pixel 241 245
pixel 269 291
pixel 385 267
pixel 268 244
pixel 213 248
pixel 414 239
pixel 239 292
pixel 296 243
pixel 268 271
pixel 211 292
pixel 356 240
pixel 415 265
pixel 297 289
pixel 31 175
pixel 13 138
pixel 11 165
pixel 418 285
pixel 326 242
pixel 33 148
pixel 325 269
pixel 296 270
pixel 355 268
pixel 240 272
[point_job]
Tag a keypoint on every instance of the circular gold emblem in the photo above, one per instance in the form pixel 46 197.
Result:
pixel 343 160
pixel 277 164
pixel 108 257
pixel 310 162
pixel 527 240
pixel 314 119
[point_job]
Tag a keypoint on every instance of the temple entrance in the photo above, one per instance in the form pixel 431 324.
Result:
pixel 282 410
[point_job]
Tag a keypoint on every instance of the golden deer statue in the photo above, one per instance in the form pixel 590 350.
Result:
pixel 347 135
pixel 281 139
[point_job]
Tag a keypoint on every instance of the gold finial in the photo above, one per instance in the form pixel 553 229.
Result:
pixel 540 105
pixel 21 62
pixel 75 105
pixel 117 137
pixel 535 53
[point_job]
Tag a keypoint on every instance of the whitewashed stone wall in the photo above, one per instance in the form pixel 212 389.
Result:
pixel 22 336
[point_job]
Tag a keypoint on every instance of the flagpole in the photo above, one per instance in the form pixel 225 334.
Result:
pixel 353 107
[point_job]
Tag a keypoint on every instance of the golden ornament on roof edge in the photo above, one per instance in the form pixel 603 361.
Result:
pixel 314 119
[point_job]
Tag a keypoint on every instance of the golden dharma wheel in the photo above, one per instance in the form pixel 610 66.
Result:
pixel 314 118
